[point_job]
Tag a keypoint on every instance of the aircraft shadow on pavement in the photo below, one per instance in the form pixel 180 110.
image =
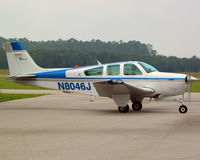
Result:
pixel 97 111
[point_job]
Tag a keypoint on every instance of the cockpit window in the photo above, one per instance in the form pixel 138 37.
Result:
pixel 94 71
pixel 131 69
pixel 113 69
pixel 148 68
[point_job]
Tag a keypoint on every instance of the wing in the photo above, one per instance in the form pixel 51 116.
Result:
pixel 138 90
pixel 108 88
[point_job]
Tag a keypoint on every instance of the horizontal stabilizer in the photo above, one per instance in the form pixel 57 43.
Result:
pixel 18 77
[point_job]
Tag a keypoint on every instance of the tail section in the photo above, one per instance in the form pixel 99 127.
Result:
pixel 19 61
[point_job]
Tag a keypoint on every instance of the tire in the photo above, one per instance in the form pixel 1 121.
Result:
pixel 137 106
pixel 123 109
pixel 183 109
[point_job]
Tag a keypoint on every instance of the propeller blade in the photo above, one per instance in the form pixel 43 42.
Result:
pixel 189 88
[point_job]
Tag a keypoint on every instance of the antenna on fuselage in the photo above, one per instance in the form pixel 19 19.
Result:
pixel 99 63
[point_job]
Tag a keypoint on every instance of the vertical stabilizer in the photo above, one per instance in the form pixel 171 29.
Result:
pixel 19 61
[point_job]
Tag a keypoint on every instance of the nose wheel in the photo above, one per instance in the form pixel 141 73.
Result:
pixel 123 109
pixel 183 109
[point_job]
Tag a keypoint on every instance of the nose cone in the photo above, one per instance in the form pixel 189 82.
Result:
pixel 191 79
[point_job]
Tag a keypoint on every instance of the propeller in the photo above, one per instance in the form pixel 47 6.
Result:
pixel 189 80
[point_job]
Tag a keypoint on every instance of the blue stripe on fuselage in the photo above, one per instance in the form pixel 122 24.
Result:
pixel 52 74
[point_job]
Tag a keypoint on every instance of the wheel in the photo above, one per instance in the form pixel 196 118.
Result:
pixel 183 109
pixel 123 109
pixel 137 106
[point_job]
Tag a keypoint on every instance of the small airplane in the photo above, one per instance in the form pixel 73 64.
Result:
pixel 121 81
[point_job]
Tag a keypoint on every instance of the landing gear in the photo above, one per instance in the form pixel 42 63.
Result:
pixel 183 109
pixel 123 109
pixel 137 106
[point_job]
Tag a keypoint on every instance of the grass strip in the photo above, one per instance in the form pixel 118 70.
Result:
pixel 9 97
pixel 4 72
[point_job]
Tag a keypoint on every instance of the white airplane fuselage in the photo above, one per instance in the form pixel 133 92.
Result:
pixel 74 80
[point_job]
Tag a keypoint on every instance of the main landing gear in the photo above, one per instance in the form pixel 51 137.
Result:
pixel 123 109
pixel 136 106
pixel 183 109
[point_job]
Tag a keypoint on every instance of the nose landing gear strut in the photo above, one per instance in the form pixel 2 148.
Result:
pixel 183 108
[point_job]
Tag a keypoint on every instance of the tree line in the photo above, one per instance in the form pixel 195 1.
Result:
pixel 71 52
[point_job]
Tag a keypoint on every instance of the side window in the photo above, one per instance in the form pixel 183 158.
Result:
pixel 113 69
pixel 131 69
pixel 94 71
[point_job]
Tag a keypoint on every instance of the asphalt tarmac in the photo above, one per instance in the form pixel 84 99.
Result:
pixel 70 127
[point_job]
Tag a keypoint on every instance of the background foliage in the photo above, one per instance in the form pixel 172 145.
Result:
pixel 71 52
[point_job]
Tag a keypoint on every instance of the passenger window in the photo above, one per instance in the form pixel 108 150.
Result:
pixel 94 71
pixel 131 69
pixel 113 69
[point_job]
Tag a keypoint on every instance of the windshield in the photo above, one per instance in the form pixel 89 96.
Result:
pixel 148 68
